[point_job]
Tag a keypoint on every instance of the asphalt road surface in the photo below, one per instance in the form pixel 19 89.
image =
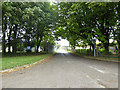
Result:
pixel 65 71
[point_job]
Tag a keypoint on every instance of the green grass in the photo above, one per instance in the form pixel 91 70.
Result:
pixel 104 58
pixel 11 62
pixel 113 58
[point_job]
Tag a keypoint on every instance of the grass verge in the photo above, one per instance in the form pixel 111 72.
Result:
pixel 112 59
pixel 11 62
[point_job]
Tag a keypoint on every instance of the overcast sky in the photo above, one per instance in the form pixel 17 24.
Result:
pixel 63 42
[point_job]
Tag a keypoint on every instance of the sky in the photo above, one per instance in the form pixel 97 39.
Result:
pixel 63 42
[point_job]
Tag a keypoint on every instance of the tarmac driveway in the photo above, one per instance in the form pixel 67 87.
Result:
pixel 65 71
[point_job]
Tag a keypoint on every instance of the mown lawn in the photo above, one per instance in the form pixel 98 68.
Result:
pixel 11 62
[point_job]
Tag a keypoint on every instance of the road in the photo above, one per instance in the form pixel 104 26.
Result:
pixel 65 71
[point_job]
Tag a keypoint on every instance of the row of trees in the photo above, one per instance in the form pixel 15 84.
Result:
pixel 26 24
pixel 34 23
pixel 82 22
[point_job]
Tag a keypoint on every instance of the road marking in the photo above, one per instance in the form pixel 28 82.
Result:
pixel 97 69
pixel 101 84
pixel 95 81
pixel 116 74
pixel 87 76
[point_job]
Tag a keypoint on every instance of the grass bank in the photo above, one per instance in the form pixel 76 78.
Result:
pixel 86 53
pixel 15 61
pixel 112 58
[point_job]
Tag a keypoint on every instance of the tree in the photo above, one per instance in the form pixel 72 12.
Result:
pixel 26 21
pixel 5 9
pixel 116 32
pixel 87 20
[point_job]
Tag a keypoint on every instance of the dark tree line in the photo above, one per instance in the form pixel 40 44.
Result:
pixel 34 23
pixel 26 24
pixel 82 22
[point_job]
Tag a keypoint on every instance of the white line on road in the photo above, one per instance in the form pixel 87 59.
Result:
pixel 102 86
pixel 97 69
pixel 95 81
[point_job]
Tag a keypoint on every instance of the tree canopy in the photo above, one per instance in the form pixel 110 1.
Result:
pixel 25 22
pixel 81 23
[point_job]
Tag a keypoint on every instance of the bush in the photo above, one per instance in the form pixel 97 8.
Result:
pixel 84 51
pixel 103 52
pixel 20 49
pixel 90 53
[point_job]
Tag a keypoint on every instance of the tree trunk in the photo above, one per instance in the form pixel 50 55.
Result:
pixel 91 52
pixel 37 48
pixel 118 41
pixel 92 48
pixel 15 39
pixel 106 45
pixel 3 38
pixel 73 49
pixel 9 41
pixel 105 32
pixel 45 46
pixel 3 44
pixel 38 43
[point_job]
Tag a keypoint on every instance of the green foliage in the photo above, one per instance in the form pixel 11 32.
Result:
pixel 84 52
pixel 27 21
pixel 78 22
pixel 104 52
pixel 113 44
pixel 20 48
pixel 83 21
